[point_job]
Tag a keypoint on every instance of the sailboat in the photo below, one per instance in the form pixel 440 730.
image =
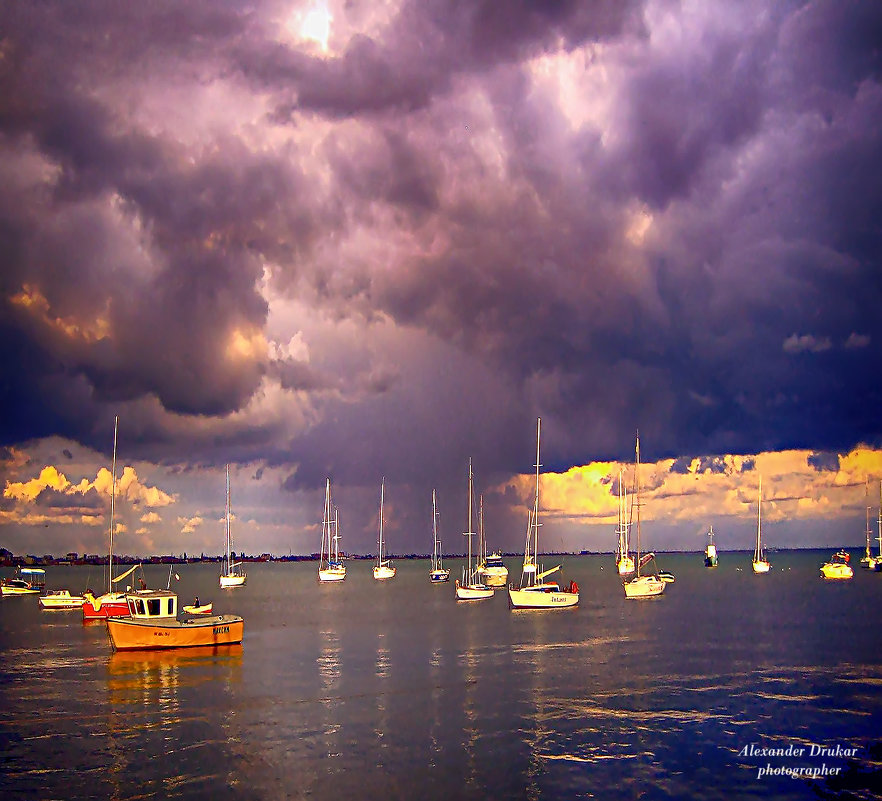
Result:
pixel 471 588
pixel 491 568
pixel 113 602
pixel 535 592
pixel 710 552
pixel 232 575
pixel 383 569
pixel 760 565
pixel 624 560
pixel 438 574
pixel 646 585
pixel 331 568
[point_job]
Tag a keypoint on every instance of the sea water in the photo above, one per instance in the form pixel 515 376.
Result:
pixel 730 685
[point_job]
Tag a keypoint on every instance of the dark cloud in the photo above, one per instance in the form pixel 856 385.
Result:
pixel 615 215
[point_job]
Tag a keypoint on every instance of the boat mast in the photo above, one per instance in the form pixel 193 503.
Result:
pixel 435 565
pixel 867 494
pixel 326 525
pixel 759 522
pixel 112 497
pixel 637 493
pixel 380 541
pixel 468 577
pixel 536 502
pixel 229 532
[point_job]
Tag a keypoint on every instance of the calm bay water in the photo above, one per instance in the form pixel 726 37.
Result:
pixel 371 690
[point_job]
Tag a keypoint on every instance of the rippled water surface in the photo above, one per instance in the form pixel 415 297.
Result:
pixel 374 690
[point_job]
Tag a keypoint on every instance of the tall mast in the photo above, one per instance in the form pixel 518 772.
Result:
pixel 759 519
pixel 469 533
pixel 380 542
pixel 434 533
pixel 112 497
pixel 867 494
pixel 637 492
pixel 536 502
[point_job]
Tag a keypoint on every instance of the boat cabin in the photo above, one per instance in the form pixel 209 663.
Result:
pixel 152 604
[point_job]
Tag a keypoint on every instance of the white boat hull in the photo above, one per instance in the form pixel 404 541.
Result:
pixel 472 592
pixel 495 576
pixel 232 581
pixel 542 597
pixel 331 574
pixel 439 576
pixel 761 567
pixel 834 570
pixel 62 599
pixel 384 572
pixel 625 566
pixel 644 587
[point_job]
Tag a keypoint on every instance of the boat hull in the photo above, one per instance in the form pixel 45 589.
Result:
pixel 495 577
pixel 204 609
pixel 644 587
pixel 332 574
pixel 231 580
pixel 148 635
pixel 384 572
pixel 760 567
pixel 836 571
pixel 10 592
pixel 439 576
pixel 61 600
pixel 104 606
pixel 472 592
pixel 541 599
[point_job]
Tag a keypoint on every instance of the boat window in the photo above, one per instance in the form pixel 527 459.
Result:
pixel 171 606
pixel 140 605
pixel 153 606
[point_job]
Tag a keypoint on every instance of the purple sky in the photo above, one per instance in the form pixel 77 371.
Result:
pixel 361 239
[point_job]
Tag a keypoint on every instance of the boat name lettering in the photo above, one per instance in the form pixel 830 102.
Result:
pixel 160 634
pixel 221 629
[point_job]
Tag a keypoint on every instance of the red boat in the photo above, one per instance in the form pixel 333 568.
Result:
pixel 111 604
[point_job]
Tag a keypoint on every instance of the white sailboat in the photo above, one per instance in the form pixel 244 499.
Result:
pixel 760 564
pixel 438 574
pixel 535 592
pixel 624 560
pixel 331 567
pixel 643 585
pixel 471 588
pixel 383 569
pixel 877 562
pixel 232 575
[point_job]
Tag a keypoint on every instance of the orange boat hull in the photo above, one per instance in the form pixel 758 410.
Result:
pixel 136 635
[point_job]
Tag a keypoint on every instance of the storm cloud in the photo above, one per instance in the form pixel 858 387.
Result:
pixel 351 239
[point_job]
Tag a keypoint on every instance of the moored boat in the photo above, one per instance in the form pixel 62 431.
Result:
pixel 232 574
pixel 27 581
pixel 471 588
pixel 837 567
pixel 535 592
pixel 710 552
pixel 384 569
pixel 153 624
pixel 759 564
pixel 624 560
pixel 438 574
pixel 198 609
pixel 642 585
pixel 331 567
pixel 61 599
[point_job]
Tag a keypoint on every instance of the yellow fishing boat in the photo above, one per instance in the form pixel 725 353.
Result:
pixel 153 624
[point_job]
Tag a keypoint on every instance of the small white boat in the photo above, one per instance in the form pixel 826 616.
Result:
pixel 471 588
pixel 535 592
pixel 438 574
pixel 61 599
pixel 27 581
pixel 232 574
pixel 710 552
pixel 331 567
pixel 153 624
pixel 491 568
pixel 837 567
pixel 760 564
pixel 868 561
pixel 647 585
pixel 383 570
